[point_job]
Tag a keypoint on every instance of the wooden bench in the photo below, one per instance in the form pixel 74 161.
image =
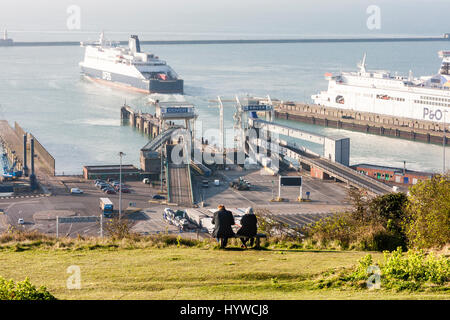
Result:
pixel 257 239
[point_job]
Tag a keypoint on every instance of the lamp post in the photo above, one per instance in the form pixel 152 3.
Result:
pixel 444 141
pixel 162 168
pixel 121 154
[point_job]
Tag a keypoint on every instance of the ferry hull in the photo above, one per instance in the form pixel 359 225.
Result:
pixel 134 84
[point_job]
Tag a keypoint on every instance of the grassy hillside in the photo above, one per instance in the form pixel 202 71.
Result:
pixel 171 272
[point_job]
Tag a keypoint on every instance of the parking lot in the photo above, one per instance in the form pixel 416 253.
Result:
pixel 325 196
pixel 40 213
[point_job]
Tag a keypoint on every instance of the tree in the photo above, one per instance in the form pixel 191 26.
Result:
pixel 428 221
pixel 389 209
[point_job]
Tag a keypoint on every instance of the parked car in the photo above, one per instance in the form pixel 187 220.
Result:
pixel 21 221
pixel 158 197
pixel 76 191
pixel 126 190
pixel 101 184
pixel 105 186
pixel 110 191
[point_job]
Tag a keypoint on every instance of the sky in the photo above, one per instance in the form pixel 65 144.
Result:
pixel 230 17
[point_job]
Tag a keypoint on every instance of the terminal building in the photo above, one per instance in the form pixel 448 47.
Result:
pixel 392 175
pixel 129 172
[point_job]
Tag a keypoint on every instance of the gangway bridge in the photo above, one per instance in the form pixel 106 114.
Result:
pixel 160 140
pixel 288 150
pixel 180 184
pixel 339 171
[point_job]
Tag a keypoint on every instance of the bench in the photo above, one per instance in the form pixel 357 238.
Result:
pixel 257 239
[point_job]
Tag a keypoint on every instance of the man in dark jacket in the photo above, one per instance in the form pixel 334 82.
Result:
pixel 248 227
pixel 222 221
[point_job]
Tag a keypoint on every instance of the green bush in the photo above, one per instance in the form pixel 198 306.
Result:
pixel 411 271
pixel 374 224
pixel 9 290
pixel 415 268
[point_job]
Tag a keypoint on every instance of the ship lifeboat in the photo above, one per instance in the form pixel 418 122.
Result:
pixel 162 76
pixel 383 97
pixel 340 100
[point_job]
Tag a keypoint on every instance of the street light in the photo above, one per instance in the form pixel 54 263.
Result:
pixel 444 141
pixel 121 154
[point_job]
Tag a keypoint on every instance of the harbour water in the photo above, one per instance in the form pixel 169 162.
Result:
pixel 79 121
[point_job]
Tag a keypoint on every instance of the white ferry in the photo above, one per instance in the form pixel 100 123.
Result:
pixel 128 67
pixel 424 98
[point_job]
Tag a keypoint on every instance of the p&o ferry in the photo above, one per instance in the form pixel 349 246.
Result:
pixel 424 98
pixel 127 67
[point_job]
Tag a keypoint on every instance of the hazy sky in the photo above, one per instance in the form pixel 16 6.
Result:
pixel 313 17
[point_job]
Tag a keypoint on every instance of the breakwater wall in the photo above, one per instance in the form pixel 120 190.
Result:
pixel 242 41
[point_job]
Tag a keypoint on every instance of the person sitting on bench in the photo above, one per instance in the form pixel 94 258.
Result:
pixel 248 228
pixel 222 221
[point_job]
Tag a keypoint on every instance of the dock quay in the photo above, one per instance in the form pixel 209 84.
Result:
pixel 146 123
pixel 383 125
pixel 164 136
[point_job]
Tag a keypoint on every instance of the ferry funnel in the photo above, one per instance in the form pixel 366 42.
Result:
pixel 134 44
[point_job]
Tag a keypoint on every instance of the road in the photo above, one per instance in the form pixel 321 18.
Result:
pixel 180 187
pixel 62 202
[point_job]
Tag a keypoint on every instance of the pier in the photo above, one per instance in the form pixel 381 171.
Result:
pixel 334 163
pixel 157 162
pixel 383 125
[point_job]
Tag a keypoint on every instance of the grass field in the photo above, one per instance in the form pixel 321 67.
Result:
pixel 189 273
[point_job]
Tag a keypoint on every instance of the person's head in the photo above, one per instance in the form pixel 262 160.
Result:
pixel 221 207
pixel 249 210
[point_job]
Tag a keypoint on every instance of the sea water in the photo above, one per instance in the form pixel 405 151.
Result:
pixel 79 121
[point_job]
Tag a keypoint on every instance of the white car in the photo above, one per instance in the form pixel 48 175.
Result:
pixel 21 221
pixel 76 191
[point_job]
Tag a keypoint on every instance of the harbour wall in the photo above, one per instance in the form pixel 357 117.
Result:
pixel 405 128
pixel 44 159
pixel 12 140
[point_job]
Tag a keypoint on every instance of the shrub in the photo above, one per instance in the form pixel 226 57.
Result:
pixel 338 228
pixel 373 224
pixel 414 269
pixel 9 290
pixel 118 228
pixel 411 271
